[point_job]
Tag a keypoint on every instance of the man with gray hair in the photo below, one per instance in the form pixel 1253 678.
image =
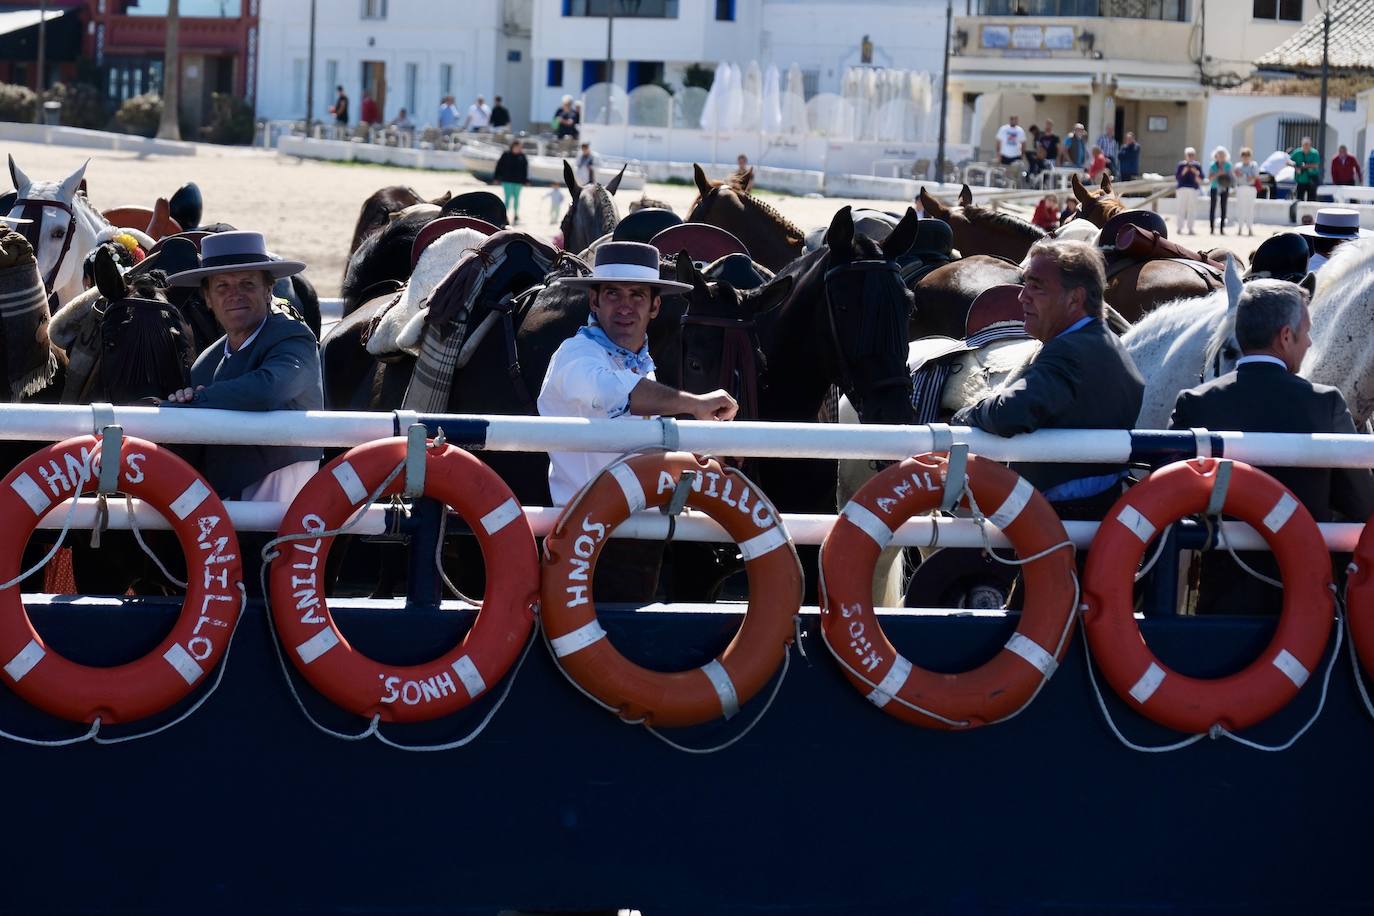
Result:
pixel 1264 394
pixel 1082 378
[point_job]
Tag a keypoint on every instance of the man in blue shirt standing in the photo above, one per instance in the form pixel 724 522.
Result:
pixel 1082 378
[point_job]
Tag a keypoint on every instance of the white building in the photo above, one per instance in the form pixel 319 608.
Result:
pixel 657 40
pixel 404 53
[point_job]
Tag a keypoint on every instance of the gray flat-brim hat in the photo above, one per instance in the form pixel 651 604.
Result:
pixel 226 252
pixel 626 262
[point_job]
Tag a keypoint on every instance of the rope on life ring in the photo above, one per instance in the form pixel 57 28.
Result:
pixel 996 690
pixel 300 608
pixel 579 644
pixel 1208 705
pixel 214 596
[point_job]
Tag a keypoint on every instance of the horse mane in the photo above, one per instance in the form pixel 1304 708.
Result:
pixel 1110 206
pixel 1343 302
pixel 793 233
pixel 1348 262
pixel 979 214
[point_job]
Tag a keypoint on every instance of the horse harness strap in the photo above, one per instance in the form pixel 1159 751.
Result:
pixel 33 210
pixel 847 376
pixel 740 358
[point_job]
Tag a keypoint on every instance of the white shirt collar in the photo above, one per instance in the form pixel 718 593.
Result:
pixel 251 337
pixel 1262 358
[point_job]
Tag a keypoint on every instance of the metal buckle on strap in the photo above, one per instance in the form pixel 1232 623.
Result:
pixel 1202 441
pixel 956 476
pixel 671 438
pixel 403 419
pixel 416 442
pixel 1220 486
pixel 942 437
pixel 681 490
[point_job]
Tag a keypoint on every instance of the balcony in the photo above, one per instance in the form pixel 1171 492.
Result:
pixel 1078 43
pixel 1164 10
pixel 627 9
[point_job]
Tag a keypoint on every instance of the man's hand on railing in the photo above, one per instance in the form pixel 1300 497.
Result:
pixel 184 395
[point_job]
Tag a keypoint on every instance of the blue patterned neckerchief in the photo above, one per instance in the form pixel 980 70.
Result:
pixel 640 363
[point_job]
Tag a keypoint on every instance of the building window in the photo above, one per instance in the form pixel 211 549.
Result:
pixel 635 9
pixel 811 83
pixel 1166 10
pixel 445 80
pixel 412 86
pixel 593 72
pixel 643 73
pixel 374 9
pixel 1282 10
pixel 555 74
pixel 725 10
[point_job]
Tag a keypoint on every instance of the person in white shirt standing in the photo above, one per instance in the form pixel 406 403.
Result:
pixel 605 372
pixel 1011 144
pixel 478 116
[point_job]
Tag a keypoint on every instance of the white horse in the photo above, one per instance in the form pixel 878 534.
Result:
pixel 1342 353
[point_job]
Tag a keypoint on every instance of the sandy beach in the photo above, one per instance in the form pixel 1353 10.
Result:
pixel 307 208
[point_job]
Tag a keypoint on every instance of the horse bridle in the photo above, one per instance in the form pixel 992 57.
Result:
pixel 847 383
pixel 33 210
pixel 740 359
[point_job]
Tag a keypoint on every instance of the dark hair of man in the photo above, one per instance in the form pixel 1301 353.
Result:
pixel 1265 308
pixel 1080 267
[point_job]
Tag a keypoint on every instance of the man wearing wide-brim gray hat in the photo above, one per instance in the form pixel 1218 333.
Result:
pixel 266 360
pixel 1333 225
pixel 605 371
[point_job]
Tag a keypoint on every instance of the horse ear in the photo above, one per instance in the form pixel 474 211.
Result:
pixel 746 182
pixel 107 276
pixel 72 183
pixel 615 182
pixel 703 183
pixel 1106 182
pixel 932 206
pixel 570 179
pixel 902 237
pixel 21 181
pixel 440 201
pixel 769 296
pixel 1078 190
pixel 840 235
pixel 965 196
pixel 687 270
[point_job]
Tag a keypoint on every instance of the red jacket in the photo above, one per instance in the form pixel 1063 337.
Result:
pixel 370 114
pixel 1345 170
pixel 1046 215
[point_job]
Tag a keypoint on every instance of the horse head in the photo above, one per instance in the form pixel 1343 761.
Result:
pixel 63 230
pixel 1096 205
pixel 146 347
pixel 592 212
pixel 378 207
pixel 772 239
pixel 382 256
pixel 982 230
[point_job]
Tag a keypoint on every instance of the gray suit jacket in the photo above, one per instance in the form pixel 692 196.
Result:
pixel 279 370
pixel 1083 380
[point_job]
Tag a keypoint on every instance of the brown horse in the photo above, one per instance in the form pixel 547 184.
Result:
pixel 982 230
pixel 773 240
pixel 1096 205
pixel 944 295
pixel 377 210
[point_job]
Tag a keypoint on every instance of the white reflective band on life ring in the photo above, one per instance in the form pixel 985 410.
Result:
pixel 350 483
pixel 191 499
pixel 24 662
pixel 31 493
pixel 629 485
pixel 1281 513
pixel 1033 652
pixel 317 645
pixel 868 523
pixel 1293 669
pixel 892 682
pixel 1011 507
pixel 472 678
pixel 1138 524
pixel 186 666
pixel 1147 685
pixel 501 516
pixel 764 543
pixel 725 688
pixel 579 639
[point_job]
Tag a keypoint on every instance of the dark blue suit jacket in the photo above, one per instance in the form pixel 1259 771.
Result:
pixel 279 370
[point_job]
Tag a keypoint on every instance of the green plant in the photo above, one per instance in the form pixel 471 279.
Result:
pixel 17 103
pixel 82 104
pixel 231 120
pixel 698 75
pixel 140 114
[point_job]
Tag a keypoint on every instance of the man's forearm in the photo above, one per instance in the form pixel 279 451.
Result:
pixel 650 399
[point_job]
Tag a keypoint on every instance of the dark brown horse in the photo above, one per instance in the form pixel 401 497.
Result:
pixel 592 212
pixel 772 239
pixel 378 209
pixel 944 295
pixel 983 230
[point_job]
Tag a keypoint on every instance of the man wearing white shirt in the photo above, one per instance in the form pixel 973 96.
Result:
pixel 478 116
pixel 1011 140
pixel 605 372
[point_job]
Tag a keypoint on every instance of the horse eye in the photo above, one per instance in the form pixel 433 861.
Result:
pixel 58 233
pixel 694 365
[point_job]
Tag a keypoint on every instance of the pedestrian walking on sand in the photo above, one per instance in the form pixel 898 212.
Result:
pixel 513 171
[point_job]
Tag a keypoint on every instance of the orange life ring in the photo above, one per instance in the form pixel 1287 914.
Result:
pixel 300 608
pixel 1359 598
pixel 723 684
pixel 214 595
pixel 1007 682
pixel 1251 695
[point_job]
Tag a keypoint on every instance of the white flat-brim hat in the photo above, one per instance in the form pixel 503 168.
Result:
pixel 626 262
pixel 225 252
pixel 1336 223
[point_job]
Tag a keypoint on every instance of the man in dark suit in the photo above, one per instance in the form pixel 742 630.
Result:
pixel 1264 394
pixel 265 361
pixel 1082 378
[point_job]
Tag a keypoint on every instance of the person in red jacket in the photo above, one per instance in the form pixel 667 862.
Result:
pixel 1046 214
pixel 1345 168
pixel 370 113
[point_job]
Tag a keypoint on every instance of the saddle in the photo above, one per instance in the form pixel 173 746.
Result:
pixel 739 270
pixel 705 243
pixel 1136 244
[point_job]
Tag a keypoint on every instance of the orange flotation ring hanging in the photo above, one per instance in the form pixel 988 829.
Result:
pixel 724 684
pixel 312 639
pixel 993 691
pixel 214 593
pixel 1240 700
pixel 1359 599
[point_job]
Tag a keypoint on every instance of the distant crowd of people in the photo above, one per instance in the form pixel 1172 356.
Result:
pixel 479 116
pixel 1027 153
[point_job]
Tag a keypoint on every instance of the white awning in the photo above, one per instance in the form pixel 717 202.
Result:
pixel 18 20
pixel 1168 90
pixel 1024 83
